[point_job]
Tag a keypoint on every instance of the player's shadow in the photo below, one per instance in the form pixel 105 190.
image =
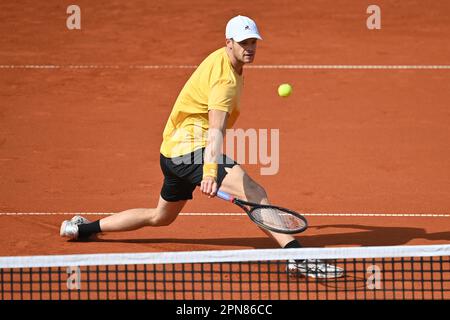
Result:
pixel 363 236
pixel 371 236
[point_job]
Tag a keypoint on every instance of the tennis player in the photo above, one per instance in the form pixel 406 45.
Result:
pixel 190 153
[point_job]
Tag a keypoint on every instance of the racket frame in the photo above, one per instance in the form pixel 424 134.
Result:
pixel 253 206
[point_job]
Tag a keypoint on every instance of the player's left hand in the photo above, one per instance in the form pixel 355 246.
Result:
pixel 208 186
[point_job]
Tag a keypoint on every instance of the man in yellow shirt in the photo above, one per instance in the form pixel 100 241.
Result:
pixel 191 149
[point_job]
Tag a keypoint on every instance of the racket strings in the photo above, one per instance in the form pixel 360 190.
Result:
pixel 277 218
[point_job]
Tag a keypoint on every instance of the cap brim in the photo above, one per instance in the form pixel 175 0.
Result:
pixel 247 36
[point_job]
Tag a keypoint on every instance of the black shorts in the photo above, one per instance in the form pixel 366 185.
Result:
pixel 182 174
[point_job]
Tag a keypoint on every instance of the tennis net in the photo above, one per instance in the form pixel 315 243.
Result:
pixel 398 272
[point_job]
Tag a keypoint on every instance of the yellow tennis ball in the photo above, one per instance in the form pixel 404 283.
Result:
pixel 284 90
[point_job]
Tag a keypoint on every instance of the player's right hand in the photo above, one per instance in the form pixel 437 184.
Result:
pixel 208 186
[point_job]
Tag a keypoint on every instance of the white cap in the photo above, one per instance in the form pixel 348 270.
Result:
pixel 240 28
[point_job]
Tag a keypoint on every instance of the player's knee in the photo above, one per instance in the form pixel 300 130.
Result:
pixel 160 219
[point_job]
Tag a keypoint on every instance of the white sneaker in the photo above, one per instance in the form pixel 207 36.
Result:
pixel 79 220
pixel 69 228
pixel 314 268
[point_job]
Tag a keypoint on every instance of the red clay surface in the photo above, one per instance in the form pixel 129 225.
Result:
pixel 87 140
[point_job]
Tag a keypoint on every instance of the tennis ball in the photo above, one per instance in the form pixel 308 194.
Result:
pixel 284 90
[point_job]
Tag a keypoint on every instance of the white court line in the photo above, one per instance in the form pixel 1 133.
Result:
pixel 280 66
pixel 338 67
pixel 213 214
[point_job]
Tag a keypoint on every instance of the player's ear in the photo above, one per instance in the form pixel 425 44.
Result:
pixel 229 43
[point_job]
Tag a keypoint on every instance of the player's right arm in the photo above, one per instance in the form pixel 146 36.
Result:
pixel 213 150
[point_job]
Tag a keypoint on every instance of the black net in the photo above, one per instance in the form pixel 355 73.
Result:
pixel 269 278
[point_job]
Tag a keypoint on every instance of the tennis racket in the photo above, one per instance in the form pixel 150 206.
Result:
pixel 270 217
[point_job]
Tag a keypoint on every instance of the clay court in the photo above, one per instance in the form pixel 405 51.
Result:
pixel 364 138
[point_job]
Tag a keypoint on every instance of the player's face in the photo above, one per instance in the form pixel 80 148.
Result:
pixel 245 50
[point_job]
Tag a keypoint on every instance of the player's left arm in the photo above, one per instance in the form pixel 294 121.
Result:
pixel 217 125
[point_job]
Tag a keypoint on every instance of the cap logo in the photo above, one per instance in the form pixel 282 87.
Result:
pixel 247 28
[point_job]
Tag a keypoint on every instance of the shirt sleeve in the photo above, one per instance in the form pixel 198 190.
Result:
pixel 222 96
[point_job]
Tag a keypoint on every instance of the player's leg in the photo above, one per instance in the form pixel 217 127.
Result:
pixel 238 183
pixel 163 215
pixel 174 194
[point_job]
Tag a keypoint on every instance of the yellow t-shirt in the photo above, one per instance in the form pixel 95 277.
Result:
pixel 213 85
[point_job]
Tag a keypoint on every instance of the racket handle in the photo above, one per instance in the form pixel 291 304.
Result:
pixel 225 196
